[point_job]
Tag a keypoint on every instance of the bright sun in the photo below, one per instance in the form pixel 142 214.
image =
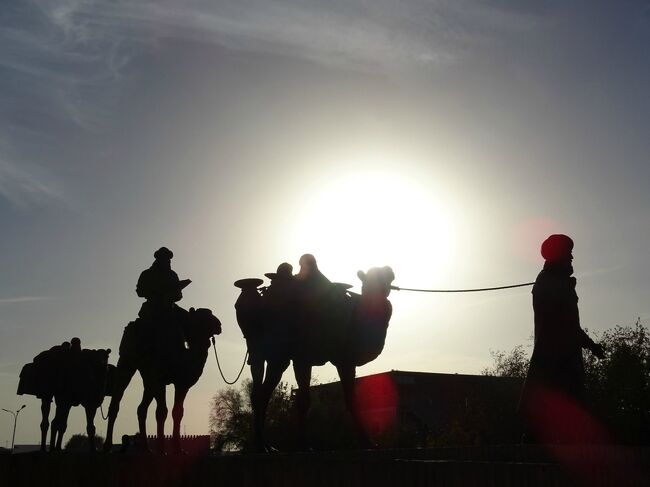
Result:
pixel 376 218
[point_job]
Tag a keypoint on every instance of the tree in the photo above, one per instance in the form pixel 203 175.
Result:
pixel 79 443
pixel 508 364
pixel 618 386
pixel 231 417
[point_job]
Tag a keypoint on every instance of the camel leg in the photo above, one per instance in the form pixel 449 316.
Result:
pixel 59 425
pixel 257 376
pixel 177 416
pixel 302 372
pixel 46 404
pixel 347 375
pixel 91 411
pixel 261 400
pixel 55 426
pixel 143 408
pixel 161 416
pixel 123 375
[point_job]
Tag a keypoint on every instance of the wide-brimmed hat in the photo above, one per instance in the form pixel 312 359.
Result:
pixel 285 271
pixel 342 285
pixel 249 283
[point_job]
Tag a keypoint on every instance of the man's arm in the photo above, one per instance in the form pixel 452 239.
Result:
pixel 595 348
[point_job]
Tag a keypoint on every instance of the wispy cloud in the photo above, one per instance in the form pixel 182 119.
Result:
pixel 64 62
pixel 25 186
pixel 599 271
pixel 24 299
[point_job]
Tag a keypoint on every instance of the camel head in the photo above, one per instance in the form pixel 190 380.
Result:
pixel 95 361
pixel 202 326
pixel 376 281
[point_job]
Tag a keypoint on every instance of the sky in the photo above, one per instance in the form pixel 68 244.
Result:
pixel 444 138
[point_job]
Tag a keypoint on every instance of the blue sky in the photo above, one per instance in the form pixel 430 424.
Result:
pixel 444 138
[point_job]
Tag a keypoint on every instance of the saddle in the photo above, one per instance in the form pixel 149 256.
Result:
pixel 156 336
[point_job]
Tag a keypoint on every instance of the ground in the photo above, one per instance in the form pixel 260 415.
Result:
pixel 490 466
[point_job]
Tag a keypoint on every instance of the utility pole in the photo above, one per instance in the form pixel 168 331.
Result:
pixel 15 415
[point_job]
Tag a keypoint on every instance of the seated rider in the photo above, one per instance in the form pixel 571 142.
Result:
pixel 311 283
pixel 159 284
pixel 161 288
pixel 279 304
pixel 248 309
pixel 320 301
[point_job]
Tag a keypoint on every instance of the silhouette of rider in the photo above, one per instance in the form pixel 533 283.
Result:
pixel 249 309
pixel 159 283
pixel 317 304
pixel 161 288
pixel 279 303
pixel 311 282
pixel 556 366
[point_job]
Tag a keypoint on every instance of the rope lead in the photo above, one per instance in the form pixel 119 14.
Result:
pixel 219 365
pixel 397 288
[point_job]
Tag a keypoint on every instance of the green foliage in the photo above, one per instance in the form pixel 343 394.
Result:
pixel 231 417
pixel 508 364
pixel 79 443
pixel 619 384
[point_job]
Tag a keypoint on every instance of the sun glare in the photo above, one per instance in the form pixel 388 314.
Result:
pixel 356 221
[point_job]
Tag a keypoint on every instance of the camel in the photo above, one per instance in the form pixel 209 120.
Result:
pixel 71 377
pixel 346 329
pixel 146 349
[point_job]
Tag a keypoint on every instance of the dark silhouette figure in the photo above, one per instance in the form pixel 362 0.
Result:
pixel 265 317
pixel 313 284
pixel 326 323
pixel 72 377
pixel 139 351
pixel 159 283
pixel 556 371
pixel 162 288
pixel 248 309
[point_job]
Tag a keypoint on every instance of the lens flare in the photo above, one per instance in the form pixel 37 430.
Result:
pixel 377 402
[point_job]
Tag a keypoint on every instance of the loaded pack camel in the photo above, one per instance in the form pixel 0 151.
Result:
pixel 71 377
pixel 148 346
pixel 344 328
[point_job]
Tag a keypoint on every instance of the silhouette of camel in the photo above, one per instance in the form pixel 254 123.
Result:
pixel 71 377
pixel 344 328
pixel 159 369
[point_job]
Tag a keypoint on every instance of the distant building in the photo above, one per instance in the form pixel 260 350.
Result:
pixel 400 408
pixel 26 448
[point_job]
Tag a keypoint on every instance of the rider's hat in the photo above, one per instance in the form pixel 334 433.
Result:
pixel 163 253
pixel 285 271
pixel 249 283
pixel 557 247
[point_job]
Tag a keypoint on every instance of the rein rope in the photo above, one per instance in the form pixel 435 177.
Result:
pixel 476 290
pixel 214 347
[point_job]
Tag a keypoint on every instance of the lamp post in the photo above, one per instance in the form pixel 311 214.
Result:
pixel 15 415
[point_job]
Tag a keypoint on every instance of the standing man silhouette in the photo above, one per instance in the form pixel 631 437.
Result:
pixel 554 391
